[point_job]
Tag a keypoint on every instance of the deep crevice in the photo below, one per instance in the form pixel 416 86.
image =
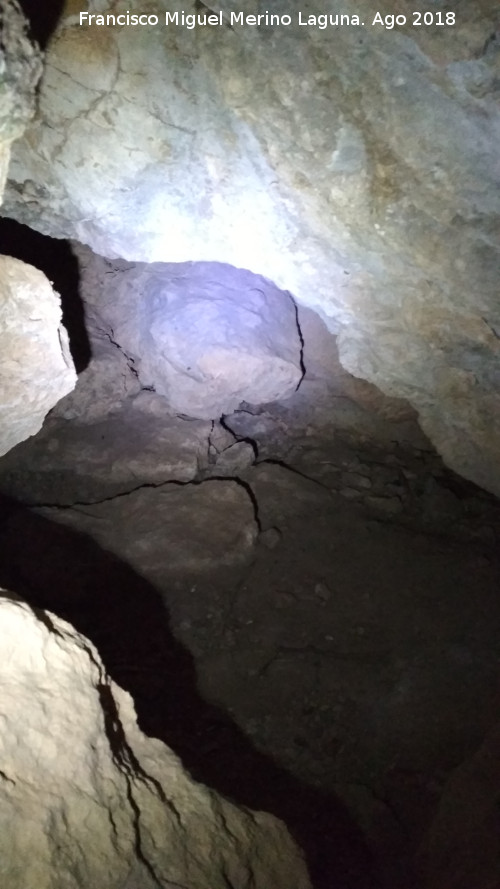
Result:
pixel 42 18
pixel 126 619
pixel 301 340
pixel 128 765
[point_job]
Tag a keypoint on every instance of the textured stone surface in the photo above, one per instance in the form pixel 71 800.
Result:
pixel 36 369
pixel 162 530
pixel 206 336
pixel 73 463
pixel 88 800
pixel 20 70
pixel 364 180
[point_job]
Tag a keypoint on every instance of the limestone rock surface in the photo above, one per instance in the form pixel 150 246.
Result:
pixel 356 166
pixel 205 336
pixel 36 368
pixel 77 463
pixel 20 71
pixel 88 800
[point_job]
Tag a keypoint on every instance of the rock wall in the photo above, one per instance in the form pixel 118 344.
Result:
pixel 355 166
pixel 88 800
pixel 205 336
pixel 20 71
pixel 36 368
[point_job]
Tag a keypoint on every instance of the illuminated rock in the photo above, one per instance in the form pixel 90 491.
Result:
pixel 206 336
pixel 89 460
pixel 36 368
pixel 356 167
pixel 88 800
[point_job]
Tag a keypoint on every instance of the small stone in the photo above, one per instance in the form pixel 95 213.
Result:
pixel 322 591
pixel 37 369
pixel 270 538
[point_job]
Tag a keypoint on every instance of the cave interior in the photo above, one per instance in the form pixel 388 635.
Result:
pixel 268 552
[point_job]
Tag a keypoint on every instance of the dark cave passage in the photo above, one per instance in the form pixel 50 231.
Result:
pixel 126 619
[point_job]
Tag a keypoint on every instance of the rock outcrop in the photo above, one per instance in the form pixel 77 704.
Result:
pixel 205 336
pixel 169 529
pixel 36 368
pixel 20 71
pixel 354 165
pixel 88 800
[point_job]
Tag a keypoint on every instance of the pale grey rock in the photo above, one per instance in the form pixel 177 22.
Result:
pixel 206 336
pixel 20 71
pixel 162 531
pixel 88 800
pixel 234 459
pixel 364 181
pixel 36 368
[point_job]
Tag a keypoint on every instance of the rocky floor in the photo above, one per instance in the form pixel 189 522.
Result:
pixel 301 598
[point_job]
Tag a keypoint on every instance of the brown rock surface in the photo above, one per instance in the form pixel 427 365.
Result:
pixel 20 71
pixel 88 800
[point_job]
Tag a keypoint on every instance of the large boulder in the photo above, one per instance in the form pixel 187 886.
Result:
pixel 36 368
pixel 88 800
pixel 205 336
